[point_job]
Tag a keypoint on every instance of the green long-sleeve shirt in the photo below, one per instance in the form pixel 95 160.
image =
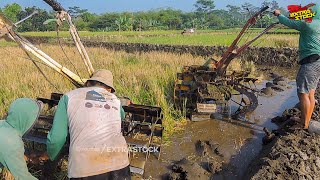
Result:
pixel 309 42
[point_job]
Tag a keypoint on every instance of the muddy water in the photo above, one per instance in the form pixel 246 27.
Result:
pixel 268 108
pixel 239 141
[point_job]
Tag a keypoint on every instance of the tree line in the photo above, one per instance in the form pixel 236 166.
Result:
pixel 205 16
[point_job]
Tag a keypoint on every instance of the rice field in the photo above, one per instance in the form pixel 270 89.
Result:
pixel 203 38
pixel 146 78
pixel 137 33
pixel 208 40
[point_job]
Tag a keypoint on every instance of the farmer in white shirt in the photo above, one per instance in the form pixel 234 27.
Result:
pixel 92 115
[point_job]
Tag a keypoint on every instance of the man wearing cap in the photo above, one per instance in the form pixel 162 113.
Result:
pixel 93 116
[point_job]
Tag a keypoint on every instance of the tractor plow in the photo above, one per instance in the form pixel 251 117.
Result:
pixel 210 88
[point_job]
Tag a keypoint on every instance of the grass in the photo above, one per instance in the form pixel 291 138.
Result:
pixel 146 78
pixel 202 38
pixel 139 33
pixel 208 40
pixel 4 43
pixel 107 33
pixel 6 175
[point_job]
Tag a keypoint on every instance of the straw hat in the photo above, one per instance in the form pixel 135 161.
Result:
pixel 103 76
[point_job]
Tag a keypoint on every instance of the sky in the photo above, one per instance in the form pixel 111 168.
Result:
pixel 101 6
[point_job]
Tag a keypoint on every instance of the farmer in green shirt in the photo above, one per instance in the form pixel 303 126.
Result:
pixel 92 116
pixel 21 116
pixel 309 51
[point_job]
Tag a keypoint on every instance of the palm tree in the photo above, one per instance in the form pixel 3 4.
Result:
pixel 119 22
pixel 124 23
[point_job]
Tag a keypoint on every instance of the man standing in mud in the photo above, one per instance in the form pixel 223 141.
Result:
pixel 93 114
pixel 309 55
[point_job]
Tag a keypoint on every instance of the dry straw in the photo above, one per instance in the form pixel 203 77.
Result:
pixel 6 175
pixel 146 78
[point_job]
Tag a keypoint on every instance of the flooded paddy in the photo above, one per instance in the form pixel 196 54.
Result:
pixel 221 148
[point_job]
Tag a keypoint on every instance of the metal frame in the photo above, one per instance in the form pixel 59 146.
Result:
pixel 200 78
pixel 233 51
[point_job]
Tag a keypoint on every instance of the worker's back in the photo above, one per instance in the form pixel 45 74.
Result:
pixel 96 143
pixel 310 35
pixel 309 42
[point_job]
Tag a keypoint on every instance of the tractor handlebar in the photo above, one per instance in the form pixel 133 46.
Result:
pixel 55 5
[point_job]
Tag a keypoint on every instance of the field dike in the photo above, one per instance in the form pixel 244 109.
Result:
pixel 284 57
pixel 295 154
